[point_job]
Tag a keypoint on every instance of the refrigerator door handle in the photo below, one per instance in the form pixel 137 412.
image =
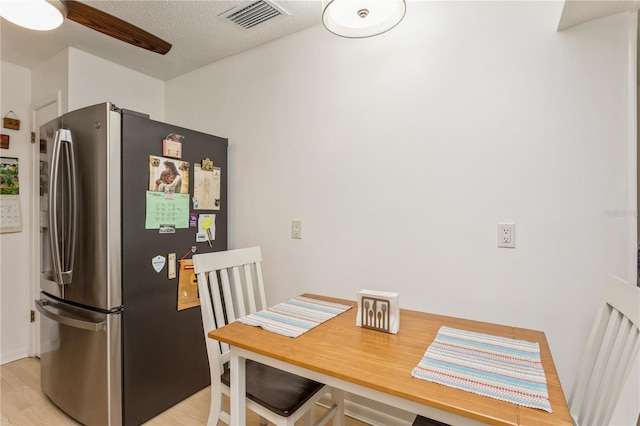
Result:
pixel 63 246
pixel 41 306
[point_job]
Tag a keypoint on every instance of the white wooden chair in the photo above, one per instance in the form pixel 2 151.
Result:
pixel 611 351
pixel 230 285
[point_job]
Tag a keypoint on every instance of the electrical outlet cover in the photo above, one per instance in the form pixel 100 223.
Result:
pixel 296 229
pixel 506 235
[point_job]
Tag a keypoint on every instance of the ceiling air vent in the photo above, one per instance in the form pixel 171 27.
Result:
pixel 248 15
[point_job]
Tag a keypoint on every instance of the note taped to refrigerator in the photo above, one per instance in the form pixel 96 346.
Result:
pixel 162 211
pixel 206 228
pixel 206 188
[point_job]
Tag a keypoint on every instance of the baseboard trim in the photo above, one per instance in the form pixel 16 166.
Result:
pixel 7 357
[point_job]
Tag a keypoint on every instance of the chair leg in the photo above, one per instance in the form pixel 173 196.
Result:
pixel 337 398
pixel 309 416
pixel 216 407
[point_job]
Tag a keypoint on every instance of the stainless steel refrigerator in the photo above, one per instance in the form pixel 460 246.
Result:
pixel 114 347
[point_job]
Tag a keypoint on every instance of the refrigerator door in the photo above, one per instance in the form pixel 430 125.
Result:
pixel 80 209
pixel 81 361
pixel 157 337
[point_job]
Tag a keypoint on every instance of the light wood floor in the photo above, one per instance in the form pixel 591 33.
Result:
pixel 22 402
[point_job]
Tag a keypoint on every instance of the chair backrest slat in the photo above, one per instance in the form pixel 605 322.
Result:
pixel 598 377
pixel 260 282
pixel 612 347
pixel 218 308
pixel 237 292
pixel 209 323
pixel 626 342
pixel 580 386
pixel 250 294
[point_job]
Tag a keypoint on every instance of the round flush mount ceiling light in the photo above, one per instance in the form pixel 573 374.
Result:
pixel 38 15
pixel 362 18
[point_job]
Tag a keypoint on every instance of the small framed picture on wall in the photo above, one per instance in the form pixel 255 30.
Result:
pixel 4 141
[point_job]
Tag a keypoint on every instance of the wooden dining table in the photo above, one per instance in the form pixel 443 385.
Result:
pixel 378 365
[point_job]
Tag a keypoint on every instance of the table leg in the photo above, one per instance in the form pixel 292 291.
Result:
pixel 337 398
pixel 238 388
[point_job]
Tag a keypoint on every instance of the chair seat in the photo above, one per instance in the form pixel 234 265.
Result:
pixel 279 391
pixel 424 421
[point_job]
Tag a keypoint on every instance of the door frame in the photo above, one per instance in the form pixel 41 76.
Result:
pixel 34 275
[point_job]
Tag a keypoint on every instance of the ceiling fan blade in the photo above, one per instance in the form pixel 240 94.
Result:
pixel 115 27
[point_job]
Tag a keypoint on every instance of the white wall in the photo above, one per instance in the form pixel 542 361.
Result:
pixel 85 79
pixel 93 80
pixel 14 247
pixel 401 153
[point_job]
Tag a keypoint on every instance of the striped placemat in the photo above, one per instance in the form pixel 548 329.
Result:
pixel 295 316
pixel 498 367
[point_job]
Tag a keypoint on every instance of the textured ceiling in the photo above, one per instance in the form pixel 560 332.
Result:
pixel 199 36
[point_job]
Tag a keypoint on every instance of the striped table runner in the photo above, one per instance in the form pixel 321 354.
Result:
pixel 295 316
pixel 498 367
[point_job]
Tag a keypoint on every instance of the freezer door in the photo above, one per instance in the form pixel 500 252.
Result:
pixel 80 207
pixel 81 367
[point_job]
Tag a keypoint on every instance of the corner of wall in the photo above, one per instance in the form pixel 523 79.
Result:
pixel 51 77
